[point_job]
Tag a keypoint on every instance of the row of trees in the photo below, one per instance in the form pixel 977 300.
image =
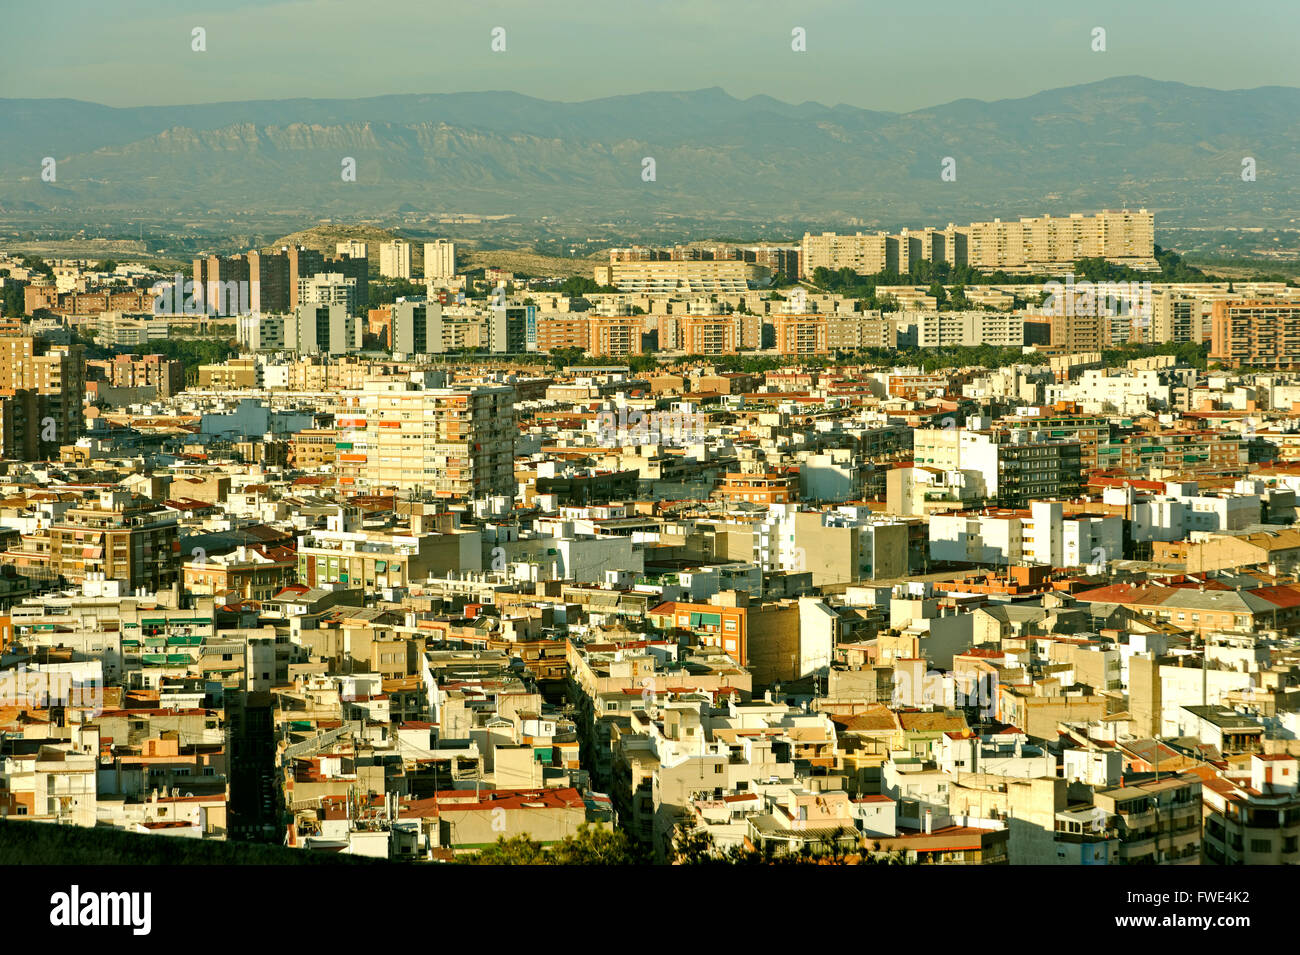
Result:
pixel 598 846
pixel 1195 354
pixel 928 359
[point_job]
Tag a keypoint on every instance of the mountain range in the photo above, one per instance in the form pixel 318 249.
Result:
pixel 1122 142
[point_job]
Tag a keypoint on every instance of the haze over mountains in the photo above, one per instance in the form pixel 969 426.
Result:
pixel 1127 141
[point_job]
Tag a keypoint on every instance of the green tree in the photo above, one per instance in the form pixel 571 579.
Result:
pixel 390 290
pixel 694 847
pixel 578 285
pixel 591 845
pixel 14 303
pixel 561 357
pixel 642 363
pixel 37 264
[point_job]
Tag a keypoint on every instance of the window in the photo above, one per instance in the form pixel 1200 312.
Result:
pixel 717 769
pixel 1261 845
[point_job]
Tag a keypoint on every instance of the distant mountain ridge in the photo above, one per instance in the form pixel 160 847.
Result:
pixel 1132 141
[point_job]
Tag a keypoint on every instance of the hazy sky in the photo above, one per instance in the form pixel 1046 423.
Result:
pixel 879 55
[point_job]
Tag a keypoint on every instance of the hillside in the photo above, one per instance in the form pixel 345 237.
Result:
pixel 1126 141
pixel 324 238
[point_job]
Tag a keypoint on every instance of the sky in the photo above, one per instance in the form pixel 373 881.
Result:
pixel 894 56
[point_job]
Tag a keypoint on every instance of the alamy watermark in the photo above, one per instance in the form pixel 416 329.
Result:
pixel 943 688
pixel 1097 298
pixel 184 296
pixel 42 689
pixel 631 428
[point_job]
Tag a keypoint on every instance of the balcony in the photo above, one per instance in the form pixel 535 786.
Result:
pixel 1140 820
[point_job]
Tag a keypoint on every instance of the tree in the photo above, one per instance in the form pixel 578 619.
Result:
pixel 560 357
pixel 519 850
pixel 385 293
pixel 14 302
pixel 578 285
pixel 694 847
pixel 192 351
pixel 642 363
pixel 37 264
pixel 591 845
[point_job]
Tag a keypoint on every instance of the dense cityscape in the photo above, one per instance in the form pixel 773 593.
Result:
pixel 691 558
pixel 664 438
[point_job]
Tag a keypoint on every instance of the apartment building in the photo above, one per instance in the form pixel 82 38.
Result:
pixel 1181 450
pixel 312 448
pixel 43 392
pixel 268 278
pixel 768 488
pixel 250 573
pixel 1012 466
pixel 55 784
pixel 1043 535
pixel 416 329
pixel 1044 244
pixel 115 536
pixel 801 335
pixel 1252 811
pixel 563 331
pixel 864 253
pixel 269 282
pixel 312 329
pixel 1090 430
pixel 1179 318
pixel 699 334
pixel 439 260
pixel 1258 333
pixel 328 288
pixel 682 277
pixel 347 552
pixel 966 329
pixel 222 285
pixel 165 376
pixel 395 259
pixel 859 331
pixel 512 329
pixel 126 330
pixel 233 375
pixel 455 442
pixel 1158 819
pixel 614 335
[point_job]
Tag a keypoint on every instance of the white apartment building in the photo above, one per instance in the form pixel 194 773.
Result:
pixel 1042 535
pixel 329 288
pixel 967 329
pixel 1181 512
pixel 439 259
pixel 1099 391
pixel 310 330
pixel 395 259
